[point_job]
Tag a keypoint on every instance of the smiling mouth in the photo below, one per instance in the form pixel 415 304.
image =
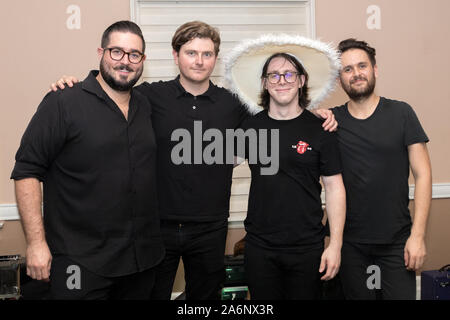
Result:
pixel 124 69
pixel 358 81
pixel 283 90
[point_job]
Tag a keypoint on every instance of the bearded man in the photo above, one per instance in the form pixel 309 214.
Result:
pixel 94 149
pixel 380 140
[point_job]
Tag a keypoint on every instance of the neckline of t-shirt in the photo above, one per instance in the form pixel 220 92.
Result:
pixel 285 120
pixel 369 117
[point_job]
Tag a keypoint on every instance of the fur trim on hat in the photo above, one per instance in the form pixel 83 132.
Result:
pixel 273 43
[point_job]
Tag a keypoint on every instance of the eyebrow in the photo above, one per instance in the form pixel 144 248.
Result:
pixel 280 72
pixel 206 51
pixel 123 49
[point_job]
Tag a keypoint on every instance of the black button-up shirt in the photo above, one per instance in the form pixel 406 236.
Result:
pixel 98 172
pixel 192 192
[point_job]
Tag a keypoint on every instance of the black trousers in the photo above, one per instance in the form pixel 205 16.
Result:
pixel 281 275
pixel 71 281
pixel 201 245
pixel 360 265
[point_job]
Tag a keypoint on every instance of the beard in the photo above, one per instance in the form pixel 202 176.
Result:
pixel 358 94
pixel 119 85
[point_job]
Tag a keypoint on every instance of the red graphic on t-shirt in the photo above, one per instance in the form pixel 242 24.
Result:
pixel 302 147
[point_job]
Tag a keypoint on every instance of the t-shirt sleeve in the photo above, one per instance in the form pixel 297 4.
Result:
pixel 42 141
pixel 330 158
pixel 241 141
pixel 242 111
pixel 414 132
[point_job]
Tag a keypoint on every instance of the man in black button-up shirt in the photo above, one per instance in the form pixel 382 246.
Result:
pixel 94 149
pixel 193 198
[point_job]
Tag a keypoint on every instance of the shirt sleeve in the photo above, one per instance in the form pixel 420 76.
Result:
pixel 414 132
pixel 241 143
pixel 144 88
pixel 330 158
pixel 42 141
pixel 244 114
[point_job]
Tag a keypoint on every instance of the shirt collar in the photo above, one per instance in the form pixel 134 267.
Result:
pixel 211 93
pixel 92 85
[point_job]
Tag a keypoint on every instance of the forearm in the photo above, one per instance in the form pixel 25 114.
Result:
pixel 422 202
pixel 421 169
pixel 29 198
pixel 335 205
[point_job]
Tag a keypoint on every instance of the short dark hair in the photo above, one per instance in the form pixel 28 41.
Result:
pixel 352 43
pixel 195 29
pixel 303 99
pixel 122 26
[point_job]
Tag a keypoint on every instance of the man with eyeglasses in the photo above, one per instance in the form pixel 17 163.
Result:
pixel 94 149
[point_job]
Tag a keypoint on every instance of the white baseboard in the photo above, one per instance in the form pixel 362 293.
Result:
pixel 9 212
pixel 440 191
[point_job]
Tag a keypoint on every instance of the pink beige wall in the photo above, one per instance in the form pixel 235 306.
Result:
pixel 412 46
pixel 36 49
pixel 412 57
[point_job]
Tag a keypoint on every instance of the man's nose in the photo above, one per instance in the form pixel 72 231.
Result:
pixel 125 59
pixel 356 72
pixel 199 59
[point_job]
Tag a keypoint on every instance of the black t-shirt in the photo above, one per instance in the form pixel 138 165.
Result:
pixel 285 209
pixel 374 154
pixel 98 172
pixel 195 191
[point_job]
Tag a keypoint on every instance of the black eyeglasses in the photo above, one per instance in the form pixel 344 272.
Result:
pixel 117 55
pixel 289 77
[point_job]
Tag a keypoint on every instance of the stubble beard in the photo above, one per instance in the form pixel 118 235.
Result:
pixel 360 94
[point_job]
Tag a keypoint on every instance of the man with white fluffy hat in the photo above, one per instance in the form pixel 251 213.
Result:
pixel 284 253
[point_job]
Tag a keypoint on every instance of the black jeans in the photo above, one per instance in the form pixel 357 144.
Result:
pixel 281 275
pixel 359 281
pixel 71 281
pixel 201 245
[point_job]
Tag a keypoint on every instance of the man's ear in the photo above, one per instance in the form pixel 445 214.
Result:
pixel 100 52
pixel 263 83
pixel 175 56
pixel 302 80
pixel 375 71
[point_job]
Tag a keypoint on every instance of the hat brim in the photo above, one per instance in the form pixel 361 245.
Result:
pixel 244 63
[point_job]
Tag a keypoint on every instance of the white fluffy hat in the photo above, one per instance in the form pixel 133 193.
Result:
pixel 244 63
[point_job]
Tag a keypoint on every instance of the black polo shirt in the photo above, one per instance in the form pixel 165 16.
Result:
pixel 98 172
pixel 191 192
